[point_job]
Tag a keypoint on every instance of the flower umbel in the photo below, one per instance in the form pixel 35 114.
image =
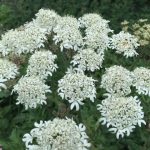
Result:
pixel 41 63
pixel 124 43
pixel 31 91
pixel 8 70
pixel 76 87
pixel 68 34
pixel 117 80
pixel 58 134
pixel 88 59
pixel 46 19
pixel 142 80
pixel 121 114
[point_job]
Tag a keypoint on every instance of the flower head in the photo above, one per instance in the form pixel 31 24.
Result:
pixel 142 80
pixel 96 37
pixel 124 43
pixel 31 91
pixel 88 59
pixel 96 32
pixel 117 80
pixel 46 19
pixel 41 63
pixel 90 19
pixel 121 114
pixel 8 70
pixel 67 33
pixel 60 134
pixel 23 40
pixel 76 87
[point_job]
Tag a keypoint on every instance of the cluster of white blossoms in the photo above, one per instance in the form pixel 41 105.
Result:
pixel 42 64
pixel 142 80
pixel 90 19
pixel 23 40
pixel 124 43
pixel 96 31
pixel 97 37
pixel 117 80
pixel 89 37
pixel 75 87
pixel 8 70
pixel 31 91
pixel 68 34
pixel 87 59
pixel 46 19
pixel 31 36
pixel 58 134
pixel 121 114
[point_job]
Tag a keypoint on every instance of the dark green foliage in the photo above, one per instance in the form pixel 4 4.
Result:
pixel 15 121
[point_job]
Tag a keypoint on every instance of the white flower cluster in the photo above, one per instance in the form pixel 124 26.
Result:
pixel 8 70
pixel 142 80
pixel 58 134
pixel 76 87
pixel 41 64
pixel 46 19
pixel 90 19
pixel 30 36
pixel 23 40
pixel 124 43
pixel 97 37
pixel 67 33
pixel 31 91
pixel 96 32
pixel 121 114
pixel 87 59
pixel 117 80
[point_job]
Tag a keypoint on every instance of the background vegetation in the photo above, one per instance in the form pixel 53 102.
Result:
pixel 15 121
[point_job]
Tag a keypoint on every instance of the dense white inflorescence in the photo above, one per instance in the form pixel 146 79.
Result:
pixel 41 63
pixel 88 59
pixel 31 91
pixel 90 19
pixel 124 43
pixel 117 80
pixel 9 41
pixel 58 134
pixel 96 31
pixel 23 40
pixel 142 80
pixel 96 37
pixel 8 70
pixel 76 87
pixel 121 114
pixel 68 34
pixel 46 19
